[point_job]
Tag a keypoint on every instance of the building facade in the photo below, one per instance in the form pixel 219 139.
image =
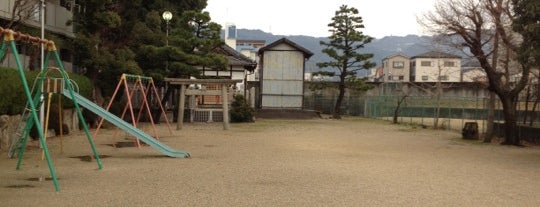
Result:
pixel 230 35
pixel 250 48
pixel 434 67
pixel 57 14
pixel 282 68
pixel 472 72
pixel 395 68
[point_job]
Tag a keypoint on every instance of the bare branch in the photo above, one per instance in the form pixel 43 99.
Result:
pixel 22 11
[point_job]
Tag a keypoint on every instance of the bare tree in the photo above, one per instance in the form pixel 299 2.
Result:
pixel 22 11
pixel 478 23
pixel 400 100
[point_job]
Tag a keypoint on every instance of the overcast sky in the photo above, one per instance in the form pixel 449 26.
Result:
pixel 311 17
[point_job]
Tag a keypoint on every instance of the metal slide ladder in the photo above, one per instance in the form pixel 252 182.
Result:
pixel 17 139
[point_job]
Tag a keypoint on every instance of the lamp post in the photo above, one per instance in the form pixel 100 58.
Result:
pixel 167 16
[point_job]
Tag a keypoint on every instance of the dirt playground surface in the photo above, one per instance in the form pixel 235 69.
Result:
pixel 318 162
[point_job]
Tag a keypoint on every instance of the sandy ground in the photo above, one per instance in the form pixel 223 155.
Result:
pixel 322 162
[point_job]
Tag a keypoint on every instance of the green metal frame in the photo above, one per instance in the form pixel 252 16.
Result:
pixel 34 102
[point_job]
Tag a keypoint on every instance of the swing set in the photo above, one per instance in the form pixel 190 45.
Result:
pixel 65 86
pixel 34 100
pixel 138 91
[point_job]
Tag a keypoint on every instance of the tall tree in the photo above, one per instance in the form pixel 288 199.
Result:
pixel 478 23
pixel 527 23
pixel 129 36
pixel 343 47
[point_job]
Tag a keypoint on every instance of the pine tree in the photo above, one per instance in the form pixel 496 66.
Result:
pixel 129 36
pixel 344 45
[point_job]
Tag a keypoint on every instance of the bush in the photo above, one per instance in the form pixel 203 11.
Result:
pixel 12 96
pixel 240 110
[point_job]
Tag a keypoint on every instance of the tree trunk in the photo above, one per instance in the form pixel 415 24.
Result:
pixel 527 99
pixel 510 121
pixel 537 92
pixel 490 117
pixel 533 112
pixel 34 56
pixel 396 111
pixel 337 108
pixel 438 109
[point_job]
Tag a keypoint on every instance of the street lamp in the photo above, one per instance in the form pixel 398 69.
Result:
pixel 167 16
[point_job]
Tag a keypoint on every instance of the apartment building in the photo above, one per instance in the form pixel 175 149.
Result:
pixel 395 68
pixel 57 14
pixel 435 66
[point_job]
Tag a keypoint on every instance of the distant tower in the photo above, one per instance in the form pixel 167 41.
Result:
pixel 230 35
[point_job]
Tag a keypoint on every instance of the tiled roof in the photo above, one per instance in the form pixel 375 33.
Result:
pixel 470 63
pixel 306 52
pixel 435 54
pixel 395 55
pixel 235 58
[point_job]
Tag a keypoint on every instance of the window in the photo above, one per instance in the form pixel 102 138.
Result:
pixel 449 64
pixel 424 77
pixel 232 32
pixel 443 77
pixel 398 64
pixel 400 77
pixel 389 77
pixel 425 63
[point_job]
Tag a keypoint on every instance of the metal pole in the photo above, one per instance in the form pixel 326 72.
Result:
pixel 167 45
pixel 167 16
pixel 42 66
pixel 167 34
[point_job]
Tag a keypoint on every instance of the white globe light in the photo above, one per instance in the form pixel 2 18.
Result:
pixel 167 15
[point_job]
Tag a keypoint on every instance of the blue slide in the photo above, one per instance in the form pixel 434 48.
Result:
pixel 117 121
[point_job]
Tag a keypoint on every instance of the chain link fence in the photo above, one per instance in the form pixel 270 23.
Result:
pixel 454 112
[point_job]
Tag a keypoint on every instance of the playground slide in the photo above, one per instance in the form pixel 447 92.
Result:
pixel 166 150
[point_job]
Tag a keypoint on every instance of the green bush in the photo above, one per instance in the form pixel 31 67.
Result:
pixel 240 110
pixel 12 95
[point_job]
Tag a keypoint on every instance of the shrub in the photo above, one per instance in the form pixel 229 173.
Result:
pixel 240 110
pixel 12 97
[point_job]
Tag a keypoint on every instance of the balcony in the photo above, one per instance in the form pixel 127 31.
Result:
pixel 56 17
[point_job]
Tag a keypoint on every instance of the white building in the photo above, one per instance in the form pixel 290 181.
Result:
pixel 282 66
pixel 230 35
pixel 434 66
pixel 396 68
pixel 472 72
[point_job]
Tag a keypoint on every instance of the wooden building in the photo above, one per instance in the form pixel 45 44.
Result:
pixel 282 68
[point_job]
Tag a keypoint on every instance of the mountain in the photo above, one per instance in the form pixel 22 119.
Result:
pixel 409 45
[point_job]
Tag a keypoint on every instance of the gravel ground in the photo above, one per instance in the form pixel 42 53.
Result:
pixel 319 162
